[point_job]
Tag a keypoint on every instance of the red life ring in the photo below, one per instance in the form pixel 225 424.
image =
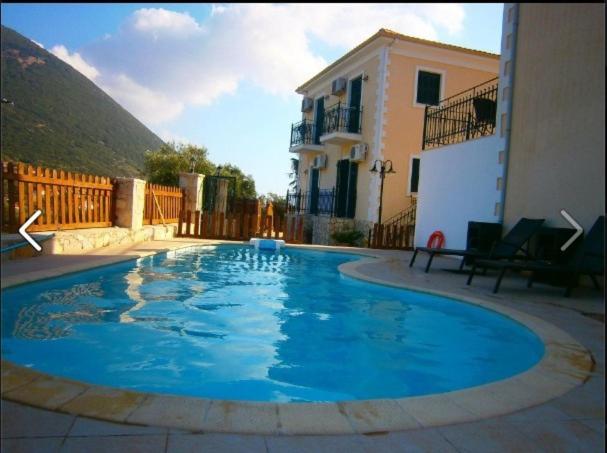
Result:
pixel 438 237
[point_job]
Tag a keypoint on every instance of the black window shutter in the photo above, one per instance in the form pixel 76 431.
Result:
pixel 351 210
pixel 341 187
pixel 428 88
pixel 414 175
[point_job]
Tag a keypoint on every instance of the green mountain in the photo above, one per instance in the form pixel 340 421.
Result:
pixel 60 119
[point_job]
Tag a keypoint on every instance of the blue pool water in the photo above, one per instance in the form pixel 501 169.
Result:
pixel 234 323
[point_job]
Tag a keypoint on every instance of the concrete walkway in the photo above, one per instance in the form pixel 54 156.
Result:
pixel 572 422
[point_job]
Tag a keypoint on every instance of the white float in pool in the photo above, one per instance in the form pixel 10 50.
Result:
pixel 267 244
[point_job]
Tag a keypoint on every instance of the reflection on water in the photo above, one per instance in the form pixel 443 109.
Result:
pixel 234 323
pixel 56 310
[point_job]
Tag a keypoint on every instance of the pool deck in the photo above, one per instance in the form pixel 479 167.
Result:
pixel 556 406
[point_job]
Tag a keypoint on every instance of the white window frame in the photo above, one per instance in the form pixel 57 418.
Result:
pixel 442 74
pixel 413 156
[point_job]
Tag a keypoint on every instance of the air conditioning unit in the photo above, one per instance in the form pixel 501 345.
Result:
pixel 307 104
pixel 320 161
pixel 358 152
pixel 338 86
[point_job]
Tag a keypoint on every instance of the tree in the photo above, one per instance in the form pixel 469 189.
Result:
pixel 245 184
pixel 162 166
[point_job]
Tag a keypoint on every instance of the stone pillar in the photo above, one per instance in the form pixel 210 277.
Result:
pixel 192 185
pixel 130 200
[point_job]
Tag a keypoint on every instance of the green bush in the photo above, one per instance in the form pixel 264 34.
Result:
pixel 350 237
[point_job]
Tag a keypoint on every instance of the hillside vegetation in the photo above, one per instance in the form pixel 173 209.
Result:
pixel 60 119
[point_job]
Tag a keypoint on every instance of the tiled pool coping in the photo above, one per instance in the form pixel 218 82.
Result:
pixel 565 365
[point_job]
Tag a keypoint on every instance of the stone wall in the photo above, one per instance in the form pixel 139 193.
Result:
pixel 74 242
pixel 324 226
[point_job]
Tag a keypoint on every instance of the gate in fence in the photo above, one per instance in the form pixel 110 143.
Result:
pixel 245 219
pixel 162 204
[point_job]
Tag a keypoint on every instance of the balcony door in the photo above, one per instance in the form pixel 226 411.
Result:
pixel 345 188
pixel 319 119
pixel 356 86
pixel 314 191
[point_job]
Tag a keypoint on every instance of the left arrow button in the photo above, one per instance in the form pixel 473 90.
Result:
pixel 25 234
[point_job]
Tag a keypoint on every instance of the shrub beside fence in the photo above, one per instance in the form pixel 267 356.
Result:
pixel 67 200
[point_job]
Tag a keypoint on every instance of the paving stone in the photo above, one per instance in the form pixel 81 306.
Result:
pixel 377 415
pixel 421 440
pixel 436 410
pixel 171 411
pixel 224 443
pixel 318 419
pixel 105 403
pixel 24 421
pixel 226 416
pixel 487 437
pixel 46 392
pixel 563 436
pixel 89 427
pixel 37 445
pixel 321 444
pixel 105 444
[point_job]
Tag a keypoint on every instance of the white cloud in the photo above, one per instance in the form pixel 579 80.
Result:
pixel 38 43
pixel 157 21
pixel 76 61
pixel 151 107
pixel 161 61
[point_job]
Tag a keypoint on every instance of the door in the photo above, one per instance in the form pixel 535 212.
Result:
pixel 314 191
pixel 319 119
pixel 355 102
pixel 345 188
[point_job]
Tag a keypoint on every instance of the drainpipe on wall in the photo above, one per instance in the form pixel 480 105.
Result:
pixel 511 108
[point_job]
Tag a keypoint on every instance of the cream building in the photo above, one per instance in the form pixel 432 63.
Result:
pixel 370 105
pixel 548 150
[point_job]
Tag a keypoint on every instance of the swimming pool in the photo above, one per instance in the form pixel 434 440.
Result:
pixel 230 322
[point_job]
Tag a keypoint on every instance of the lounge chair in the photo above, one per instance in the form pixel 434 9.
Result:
pixel 588 259
pixel 505 248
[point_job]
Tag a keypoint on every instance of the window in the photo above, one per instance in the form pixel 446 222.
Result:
pixel 428 88
pixel 414 175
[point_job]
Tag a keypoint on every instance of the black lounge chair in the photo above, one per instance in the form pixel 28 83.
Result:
pixel 588 259
pixel 505 248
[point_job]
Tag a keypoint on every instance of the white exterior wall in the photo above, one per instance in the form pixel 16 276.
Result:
pixel 458 183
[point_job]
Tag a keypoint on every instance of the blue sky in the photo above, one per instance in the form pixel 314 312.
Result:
pixel 224 76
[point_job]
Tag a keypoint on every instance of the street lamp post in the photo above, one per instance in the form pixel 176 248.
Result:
pixel 385 168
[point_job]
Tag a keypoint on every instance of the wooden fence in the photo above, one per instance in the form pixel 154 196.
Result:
pixel 240 224
pixel 162 204
pixel 67 200
pixel 391 236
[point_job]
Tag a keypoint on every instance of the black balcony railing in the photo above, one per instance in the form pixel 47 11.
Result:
pixel 319 202
pixel 302 133
pixel 341 118
pixel 464 116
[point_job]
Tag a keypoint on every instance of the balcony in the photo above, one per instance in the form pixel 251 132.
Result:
pixel 304 138
pixel 318 202
pixel 342 125
pixel 464 116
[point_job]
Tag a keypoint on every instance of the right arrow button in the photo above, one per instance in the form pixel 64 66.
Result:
pixel 578 228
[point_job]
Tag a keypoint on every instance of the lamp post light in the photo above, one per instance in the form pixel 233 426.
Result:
pixel 385 168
